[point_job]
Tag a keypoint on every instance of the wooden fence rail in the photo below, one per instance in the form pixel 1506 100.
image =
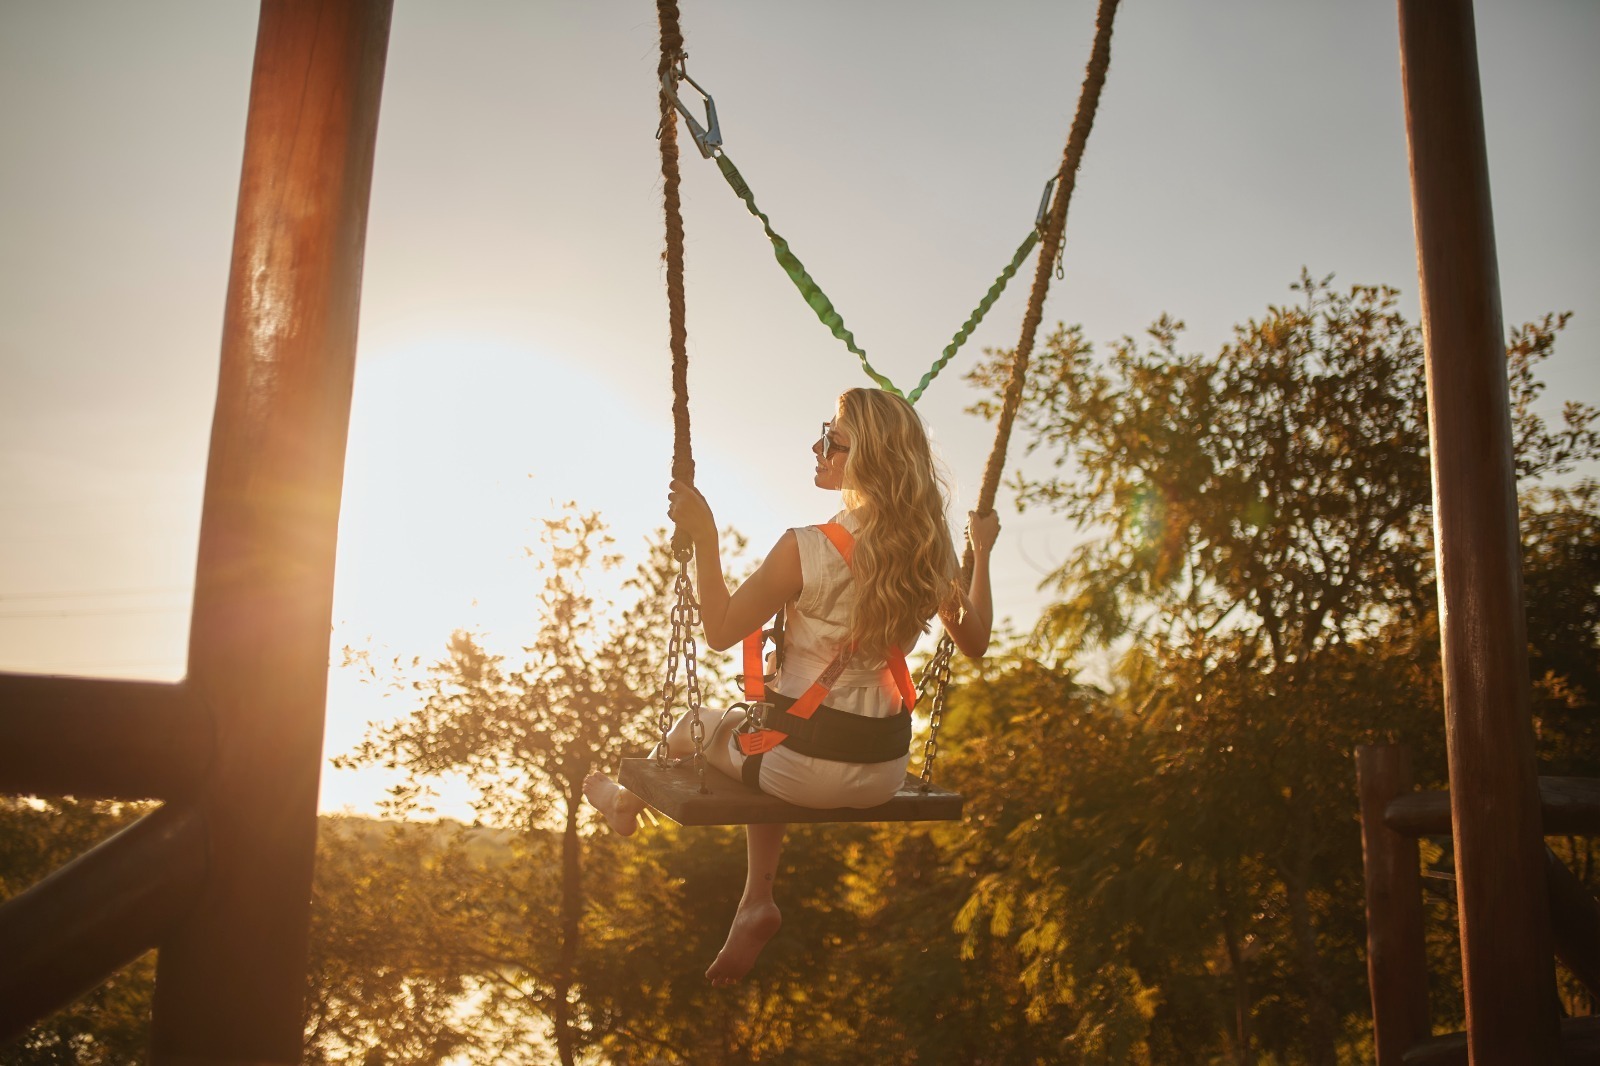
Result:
pixel 1392 818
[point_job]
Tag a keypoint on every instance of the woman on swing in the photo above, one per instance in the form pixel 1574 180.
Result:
pixel 853 619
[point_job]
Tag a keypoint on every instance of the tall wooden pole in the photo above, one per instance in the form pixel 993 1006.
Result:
pixel 230 980
pixel 1505 927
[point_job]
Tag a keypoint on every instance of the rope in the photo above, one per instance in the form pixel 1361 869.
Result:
pixel 686 611
pixel 682 453
pixel 1094 80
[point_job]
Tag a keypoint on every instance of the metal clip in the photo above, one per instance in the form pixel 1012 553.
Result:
pixel 709 141
pixel 1044 205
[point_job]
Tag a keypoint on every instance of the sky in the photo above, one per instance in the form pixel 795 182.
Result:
pixel 513 340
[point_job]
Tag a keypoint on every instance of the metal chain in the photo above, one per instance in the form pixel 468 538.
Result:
pixel 669 686
pixel 938 672
pixel 691 679
pixel 685 618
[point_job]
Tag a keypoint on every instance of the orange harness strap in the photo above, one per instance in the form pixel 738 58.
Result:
pixel 755 685
pixel 846 544
pixel 754 743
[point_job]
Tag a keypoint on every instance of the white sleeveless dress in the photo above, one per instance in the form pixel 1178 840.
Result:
pixel 814 625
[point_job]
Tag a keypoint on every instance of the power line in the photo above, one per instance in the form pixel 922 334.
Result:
pixel 80 594
pixel 109 612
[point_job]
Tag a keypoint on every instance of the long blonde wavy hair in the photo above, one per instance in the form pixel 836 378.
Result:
pixel 905 564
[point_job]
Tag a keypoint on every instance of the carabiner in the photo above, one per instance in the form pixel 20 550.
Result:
pixel 709 141
pixel 1044 205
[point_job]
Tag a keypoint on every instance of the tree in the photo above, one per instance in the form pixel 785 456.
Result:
pixel 1561 588
pixel 524 738
pixel 399 916
pixel 1259 554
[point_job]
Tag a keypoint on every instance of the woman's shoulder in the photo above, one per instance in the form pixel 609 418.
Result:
pixel 815 530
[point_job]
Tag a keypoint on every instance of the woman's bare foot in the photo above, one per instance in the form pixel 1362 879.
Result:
pixel 621 807
pixel 753 926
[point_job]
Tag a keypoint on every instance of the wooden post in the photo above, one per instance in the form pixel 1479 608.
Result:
pixel 231 978
pixel 1397 955
pixel 1507 963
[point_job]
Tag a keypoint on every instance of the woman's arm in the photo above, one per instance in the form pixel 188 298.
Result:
pixel 727 619
pixel 969 616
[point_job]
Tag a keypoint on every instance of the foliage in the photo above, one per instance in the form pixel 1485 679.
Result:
pixel 1561 570
pixel 1258 554
pixel 524 738
pixel 403 916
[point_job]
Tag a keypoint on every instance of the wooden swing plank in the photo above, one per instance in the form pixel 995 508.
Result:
pixel 675 792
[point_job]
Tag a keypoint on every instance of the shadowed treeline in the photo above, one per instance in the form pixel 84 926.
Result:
pixel 1161 866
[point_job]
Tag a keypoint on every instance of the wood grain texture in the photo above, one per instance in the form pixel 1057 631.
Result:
pixel 98 739
pixel 1397 957
pixel 96 914
pixel 1569 806
pixel 1507 962
pixel 675 792
pixel 230 980
pixel 1580 1046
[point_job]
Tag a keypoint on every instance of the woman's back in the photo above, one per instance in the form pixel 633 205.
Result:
pixel 816 625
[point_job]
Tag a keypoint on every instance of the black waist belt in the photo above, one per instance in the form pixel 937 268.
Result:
pixel 838 735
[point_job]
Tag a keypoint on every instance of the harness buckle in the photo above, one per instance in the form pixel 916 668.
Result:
pixel 708 140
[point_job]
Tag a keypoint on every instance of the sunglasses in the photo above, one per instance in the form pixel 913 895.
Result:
pixel 827 444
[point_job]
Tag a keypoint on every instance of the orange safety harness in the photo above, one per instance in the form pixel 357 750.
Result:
pixel 763 738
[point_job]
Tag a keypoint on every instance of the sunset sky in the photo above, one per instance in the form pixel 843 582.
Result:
pixel 513 349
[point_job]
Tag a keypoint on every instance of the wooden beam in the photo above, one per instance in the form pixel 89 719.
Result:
pixel 1574 923
pixel 1507 963
pixel 1568 806
pixel 96 914
pixel 1397 954
pixel 1580 1046
pixel 231 977
pixel 73 736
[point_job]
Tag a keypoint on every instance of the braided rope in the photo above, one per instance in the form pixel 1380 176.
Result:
pixel 682 453
pixel 686 611
pixel 1094 80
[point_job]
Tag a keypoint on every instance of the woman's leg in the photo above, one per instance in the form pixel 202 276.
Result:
pixel 718 728
pixel 621 807
pixel 721 752
pixel 757 919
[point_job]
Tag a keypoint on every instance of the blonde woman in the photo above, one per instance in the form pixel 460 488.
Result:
pixel 847 624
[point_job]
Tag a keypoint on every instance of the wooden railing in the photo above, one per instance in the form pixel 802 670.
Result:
pixel 219 878
pixel 1393 818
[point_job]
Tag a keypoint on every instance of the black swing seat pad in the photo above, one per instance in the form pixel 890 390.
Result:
pixel 674 791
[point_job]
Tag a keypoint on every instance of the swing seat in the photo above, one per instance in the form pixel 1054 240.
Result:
pixel 674 791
